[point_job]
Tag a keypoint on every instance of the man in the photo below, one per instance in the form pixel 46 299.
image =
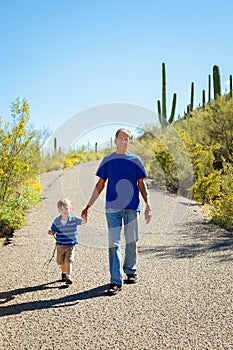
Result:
pixel 125 175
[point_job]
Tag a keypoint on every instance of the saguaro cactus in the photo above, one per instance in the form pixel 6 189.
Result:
pixel 162 112
pixel 230 79
pixel 55 145
pixel 172 116
pixel 163 122
pixel 203 98
pixel 192 97
pixel 164 94
pixel 217 81
pixel 209 88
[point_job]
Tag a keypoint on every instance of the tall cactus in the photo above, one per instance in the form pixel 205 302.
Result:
pixel 164 94
pixel 55 145
pixel 209 88
pixel 163 121
pixel 172 116
pixel 217 81
pixel 203 98
pixel 192 97
pixel 162 112
pixel 230 78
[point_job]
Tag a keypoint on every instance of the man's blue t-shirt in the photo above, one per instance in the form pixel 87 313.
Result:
pixel 122 172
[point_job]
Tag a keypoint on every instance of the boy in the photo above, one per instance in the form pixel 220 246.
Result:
pixel 65 228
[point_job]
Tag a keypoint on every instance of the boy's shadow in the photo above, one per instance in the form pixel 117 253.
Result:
pixel 68 300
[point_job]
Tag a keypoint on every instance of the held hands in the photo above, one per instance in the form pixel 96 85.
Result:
pixel 148 213
pixel 84 214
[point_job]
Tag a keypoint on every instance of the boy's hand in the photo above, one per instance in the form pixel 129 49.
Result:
pixel 51 233
pixel 84 214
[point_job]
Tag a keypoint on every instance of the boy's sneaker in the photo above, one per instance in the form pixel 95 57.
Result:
pixel 69 280
pixel 63 276
pixel 131 278
pixel 114 289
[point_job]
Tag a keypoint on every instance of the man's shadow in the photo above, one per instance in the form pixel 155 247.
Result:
pixel 68 300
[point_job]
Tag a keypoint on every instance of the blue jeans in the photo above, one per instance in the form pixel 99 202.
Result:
pixel 115 219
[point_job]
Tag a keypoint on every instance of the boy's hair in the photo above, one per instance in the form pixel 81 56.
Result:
pixel 124 130
pixel 63 202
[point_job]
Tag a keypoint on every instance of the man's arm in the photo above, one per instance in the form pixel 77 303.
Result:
pixel 95 194
pixel 145 195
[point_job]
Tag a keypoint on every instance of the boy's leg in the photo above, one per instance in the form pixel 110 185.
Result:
pixel 69 258
pixel 63 267
pixel 68 268
pixel 63 272
pixel 61 261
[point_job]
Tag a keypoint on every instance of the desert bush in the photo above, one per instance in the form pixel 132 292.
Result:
pixel 19 168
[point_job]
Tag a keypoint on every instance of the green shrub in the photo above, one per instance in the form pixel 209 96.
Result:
pixel 222 205
pixel 19 168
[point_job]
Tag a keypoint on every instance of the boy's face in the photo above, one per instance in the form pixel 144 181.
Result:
pixel 64 211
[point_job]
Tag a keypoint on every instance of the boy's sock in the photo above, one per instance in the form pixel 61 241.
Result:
pixel 68 276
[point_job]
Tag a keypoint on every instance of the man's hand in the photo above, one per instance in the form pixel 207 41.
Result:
pixel 51 233
pixel 148 213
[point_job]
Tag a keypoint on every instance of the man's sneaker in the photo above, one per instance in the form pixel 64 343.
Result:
pixel 114 289
pixel 63 276
pixel 131 278
pixel 69 280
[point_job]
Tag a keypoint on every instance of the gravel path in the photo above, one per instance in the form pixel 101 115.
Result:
pixel 183 299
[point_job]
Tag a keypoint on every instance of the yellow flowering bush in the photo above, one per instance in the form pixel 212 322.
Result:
pixel 222 206
pixel 19 168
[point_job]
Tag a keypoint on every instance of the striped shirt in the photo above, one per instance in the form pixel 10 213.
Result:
pixel 67 234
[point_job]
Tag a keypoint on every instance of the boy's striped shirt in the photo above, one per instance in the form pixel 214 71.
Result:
pixel 67 234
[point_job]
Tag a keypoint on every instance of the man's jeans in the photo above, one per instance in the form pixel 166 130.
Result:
pixel 115 218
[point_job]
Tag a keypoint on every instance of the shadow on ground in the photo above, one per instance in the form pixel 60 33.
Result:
pixel 205 238
pixel 69 300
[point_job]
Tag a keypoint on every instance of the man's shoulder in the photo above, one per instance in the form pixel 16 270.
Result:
pixel 133 158
pixel 107 158
pixel 110 156
pixel 121 157
pixel 115 155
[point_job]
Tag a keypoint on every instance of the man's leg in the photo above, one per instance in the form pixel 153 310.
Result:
pixel 114 221
pixel 131 238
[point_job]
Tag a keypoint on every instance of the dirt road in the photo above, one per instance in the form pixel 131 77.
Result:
pixel 183 299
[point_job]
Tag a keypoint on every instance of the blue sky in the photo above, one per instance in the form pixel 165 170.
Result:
pixel 65 56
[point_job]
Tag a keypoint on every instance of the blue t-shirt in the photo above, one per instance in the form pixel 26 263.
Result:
pixel 122 172
pixel 66 234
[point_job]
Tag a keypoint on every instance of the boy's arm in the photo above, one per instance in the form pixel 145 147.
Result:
pixel 84 220
pixel 53 230
pixel 95 194
pixel 145 195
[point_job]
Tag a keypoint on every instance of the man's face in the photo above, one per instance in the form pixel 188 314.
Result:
pixel 122 141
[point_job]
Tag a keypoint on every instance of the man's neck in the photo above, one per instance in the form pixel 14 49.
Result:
pixel 120 151
pixel 117 152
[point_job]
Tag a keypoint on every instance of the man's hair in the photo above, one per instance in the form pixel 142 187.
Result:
pixel 63 202
pixel 122 130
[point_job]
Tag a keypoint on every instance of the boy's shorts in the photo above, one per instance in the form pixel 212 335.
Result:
pixel 65 253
